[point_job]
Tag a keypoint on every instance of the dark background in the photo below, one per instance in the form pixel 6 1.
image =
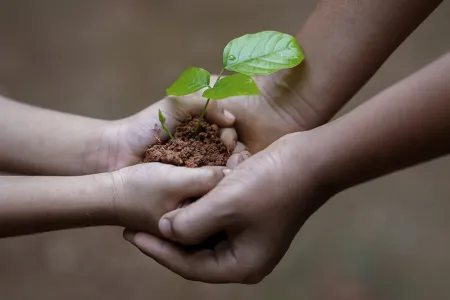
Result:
pixel 388 239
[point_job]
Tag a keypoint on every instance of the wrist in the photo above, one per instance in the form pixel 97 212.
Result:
pixel 111 188
pixel 306 157
pixel 300 97
pixel 327 155
pixel 100 144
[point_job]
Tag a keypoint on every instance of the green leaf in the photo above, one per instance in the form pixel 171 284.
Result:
pixel 262 53
pixel 190 81
pixel 162 119
pixel 234 85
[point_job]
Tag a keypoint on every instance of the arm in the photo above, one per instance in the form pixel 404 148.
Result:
pixel 404 125
pixel 345 42
pixel 135 197
pixel 265 201
pixel 41 141
pixel 38 204
pixel 45 142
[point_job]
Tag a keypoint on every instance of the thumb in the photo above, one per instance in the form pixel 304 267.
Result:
pixel 219 116
pixel 195 223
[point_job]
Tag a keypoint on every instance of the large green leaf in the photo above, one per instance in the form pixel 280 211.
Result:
pixel 190 81
pixel 262 53
pixel 234 85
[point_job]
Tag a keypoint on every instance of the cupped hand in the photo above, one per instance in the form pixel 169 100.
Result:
pixel 145 192
pixel 258 120
pixel 277 111
pixel 260 206
pixel 126 140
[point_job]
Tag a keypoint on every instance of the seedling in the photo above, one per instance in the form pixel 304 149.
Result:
pixel 162 119
pixel 261 53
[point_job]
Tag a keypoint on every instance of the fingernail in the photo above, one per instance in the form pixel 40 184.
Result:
pixel 229 115
pixel 129 235
pixel 226 171
pixel 166 228
pixel 232 146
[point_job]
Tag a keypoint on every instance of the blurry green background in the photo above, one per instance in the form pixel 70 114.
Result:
pixel 389 239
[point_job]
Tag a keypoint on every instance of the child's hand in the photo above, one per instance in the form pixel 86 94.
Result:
pixel 145 192
pixel 126 140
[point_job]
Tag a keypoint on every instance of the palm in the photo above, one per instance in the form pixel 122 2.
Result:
pixel 129 138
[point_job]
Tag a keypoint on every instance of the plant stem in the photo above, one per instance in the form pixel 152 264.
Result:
pixel 197 128
pixel 168 132
pixel 200 119
pixel 220 76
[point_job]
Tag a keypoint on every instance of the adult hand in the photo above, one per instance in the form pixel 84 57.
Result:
pixel 277 111
pixel 260 206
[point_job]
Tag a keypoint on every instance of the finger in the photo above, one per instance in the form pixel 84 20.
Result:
pixel 193 182
pixel 176 110
pixel 240 147
pixel 219 116
pixel 197 222
pixel 212 266
pixel 237 158
pixel 229 138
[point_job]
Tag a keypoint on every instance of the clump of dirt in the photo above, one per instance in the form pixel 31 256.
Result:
pixel 189 148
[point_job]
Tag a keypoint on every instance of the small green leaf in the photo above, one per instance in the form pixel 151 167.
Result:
pixel 190 81
pixel 262 53
pixel 234 85
pixel 162 119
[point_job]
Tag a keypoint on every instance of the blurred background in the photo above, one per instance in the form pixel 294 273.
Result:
pixel 388 239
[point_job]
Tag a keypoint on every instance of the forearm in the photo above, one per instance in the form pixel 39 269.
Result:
pixel 345 42
pixel 37 204
pixel 45 142
pixel 407 124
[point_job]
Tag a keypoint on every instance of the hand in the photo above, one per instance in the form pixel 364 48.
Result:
pixel 260 206
pixel 126 140
pixel 145 192
pixel 261 120
pixel 258 120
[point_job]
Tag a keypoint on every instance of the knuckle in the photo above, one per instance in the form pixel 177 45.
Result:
pixel 181 228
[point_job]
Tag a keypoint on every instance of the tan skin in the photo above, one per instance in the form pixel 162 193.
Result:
pixel 134 197
pixel 345 42
pixel 33 139
pixel 43 142
pixel 402 126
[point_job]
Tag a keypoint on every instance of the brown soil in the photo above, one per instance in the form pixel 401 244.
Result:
pixel 191 149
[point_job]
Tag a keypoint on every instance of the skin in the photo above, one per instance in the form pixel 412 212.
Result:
pixel 404 125
pixel 39 141
pixel 133 197
pixel 54 143
pixel 345 42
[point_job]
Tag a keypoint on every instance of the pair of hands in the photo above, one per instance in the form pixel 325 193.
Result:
pixel 257 205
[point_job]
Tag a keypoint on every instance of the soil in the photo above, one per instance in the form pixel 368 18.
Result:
pixel 191 149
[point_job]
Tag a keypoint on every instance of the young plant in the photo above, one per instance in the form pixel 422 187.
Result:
pixel 261 53
pixel 162 120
